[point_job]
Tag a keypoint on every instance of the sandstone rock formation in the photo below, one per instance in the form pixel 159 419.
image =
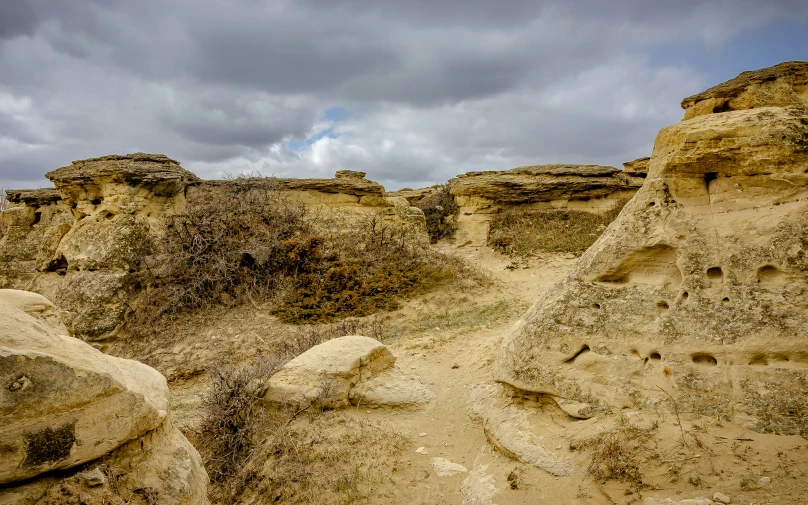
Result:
pixel 783 85
pixel 82 244
pixel 590 188
pixel 637 168
pixel 64 403
pixel 698 292
pixel 344 371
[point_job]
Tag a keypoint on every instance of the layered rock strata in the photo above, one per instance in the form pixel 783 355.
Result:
pixel 698 292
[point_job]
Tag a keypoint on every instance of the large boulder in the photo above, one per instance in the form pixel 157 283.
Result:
pixel 64 403
pixel 344 371
pixel 697 292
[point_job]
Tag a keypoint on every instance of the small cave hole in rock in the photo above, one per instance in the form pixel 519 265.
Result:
pixel 655 355
pixel 708 178
pixel 109 216
pixel 714 273
pixel 37 218
pixel 96 201
pixel 651 204
pixel 725 300
pixel 662 304
pixel 58 265
pixel 724 107
pixel 759 360
pixel 701 358
pixel 595 305
pixel 770 274
pixel 582 350
pixel 685 295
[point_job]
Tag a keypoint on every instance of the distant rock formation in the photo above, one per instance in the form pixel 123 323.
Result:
pixel 699 289
pixel 65 404
pixel 783 85
pixel 637 168
pixel 81 243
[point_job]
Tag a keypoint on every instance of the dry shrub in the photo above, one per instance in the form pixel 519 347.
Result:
pixel 3 206
pixel 523 232
pixel 243 241
pixel 369 268
pixel 328 458
pixel 617 454
pixel 441 212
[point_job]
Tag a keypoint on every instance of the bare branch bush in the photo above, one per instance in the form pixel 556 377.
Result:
pixel 440 211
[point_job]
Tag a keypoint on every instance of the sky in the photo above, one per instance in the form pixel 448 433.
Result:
pixel 413 92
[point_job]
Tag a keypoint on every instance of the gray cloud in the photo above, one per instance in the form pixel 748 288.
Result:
pixel 437 88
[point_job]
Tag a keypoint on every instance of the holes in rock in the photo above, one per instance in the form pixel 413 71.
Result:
pixel 724 107
pixel 635 352
pixel 725 300
pixel 58 265
pixel 685 295
pixel 704 359
pixel 768 275
pixel 582 350
pixel 662 304
pixel 109 216
pixel 759 360
pixel 651 204
pixel 595 305
pixel 714 273
pixel 708 178
pixel 655 356
pixel 96 201
pixel 37 218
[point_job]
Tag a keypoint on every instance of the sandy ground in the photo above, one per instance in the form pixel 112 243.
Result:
pixel 693 460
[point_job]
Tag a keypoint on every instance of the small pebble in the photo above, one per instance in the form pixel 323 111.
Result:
pixel 720 498
pixel 422 434
pixel 94 477
pixel 422 450
pixel 764 481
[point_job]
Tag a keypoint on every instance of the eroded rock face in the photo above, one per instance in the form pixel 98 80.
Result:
pixel 64 403
pixel 783 85
pixel 83 243
pixel 698 290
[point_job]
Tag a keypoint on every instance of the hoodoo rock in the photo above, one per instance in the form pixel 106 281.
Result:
pixel 64 403
pixel 698 291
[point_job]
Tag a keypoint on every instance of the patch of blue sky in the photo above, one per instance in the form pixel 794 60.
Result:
pixel 750 49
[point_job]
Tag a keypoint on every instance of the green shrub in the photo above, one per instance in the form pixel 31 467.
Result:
pixel 440 211
pixel 523 232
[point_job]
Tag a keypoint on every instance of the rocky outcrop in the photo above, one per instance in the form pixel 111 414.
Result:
pixel 341 372
pixel 637 168
pixel 83 243
pixel 65 404
pixel 783 85
pixel 698 291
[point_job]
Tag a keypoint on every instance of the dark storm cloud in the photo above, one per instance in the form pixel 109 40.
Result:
pixel 441 87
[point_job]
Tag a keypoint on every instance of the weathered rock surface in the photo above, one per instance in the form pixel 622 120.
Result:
pixel 63 403
pixel 783 85
pixel 637 168
pixel 83 243
pixel 344 371
pixel 698 290
pixel 541 183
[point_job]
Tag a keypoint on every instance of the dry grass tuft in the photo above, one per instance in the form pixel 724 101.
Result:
pixel 521 232
pixel 618 454
pixel 329 458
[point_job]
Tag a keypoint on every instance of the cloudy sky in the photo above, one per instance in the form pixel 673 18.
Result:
pixel 411 91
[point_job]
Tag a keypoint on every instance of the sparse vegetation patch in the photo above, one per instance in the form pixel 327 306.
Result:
pixel 441 212
pixel 521 232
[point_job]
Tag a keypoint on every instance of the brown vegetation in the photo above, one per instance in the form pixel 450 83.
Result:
pixel 440 211
pixel 522 232
pixel 245 242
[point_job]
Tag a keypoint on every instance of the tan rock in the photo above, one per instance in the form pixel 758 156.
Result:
pixel 783 85
pixel 637 168
pixel 344 371
pixel 63 402
pixel 699 289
